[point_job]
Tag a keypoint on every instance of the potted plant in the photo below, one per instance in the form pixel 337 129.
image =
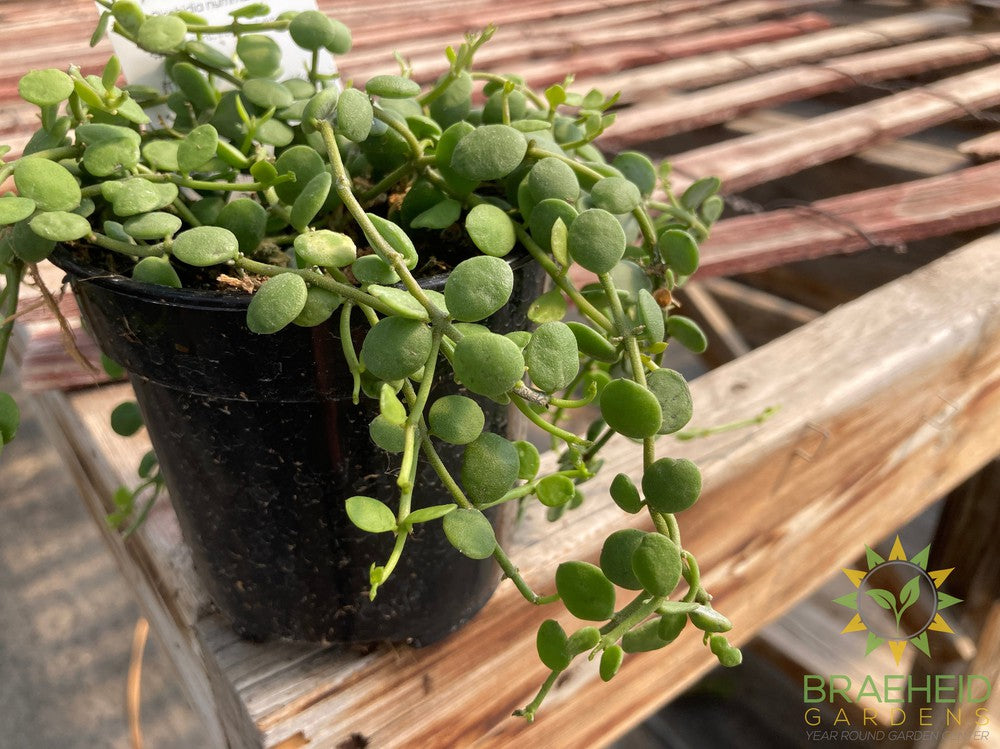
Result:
pixel 328 300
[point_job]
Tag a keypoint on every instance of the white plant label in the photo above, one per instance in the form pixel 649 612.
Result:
pixel 142 68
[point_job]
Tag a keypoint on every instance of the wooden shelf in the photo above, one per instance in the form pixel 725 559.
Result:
pixel 890 402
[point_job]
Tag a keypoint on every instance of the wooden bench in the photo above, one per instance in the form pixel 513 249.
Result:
pixel 887 403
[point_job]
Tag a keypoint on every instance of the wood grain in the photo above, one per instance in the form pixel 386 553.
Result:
pixel 887 403
pixel 935 206
pixel 683 112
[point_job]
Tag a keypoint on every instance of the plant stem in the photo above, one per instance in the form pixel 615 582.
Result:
pixel 349 354
pixel 690 434
pixel 541 423
pixel 519 582
pixel 124 248
pixel 528 712
pixel 313 278
pixel 8 304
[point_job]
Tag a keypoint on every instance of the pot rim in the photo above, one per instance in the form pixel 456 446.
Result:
pixel 62 258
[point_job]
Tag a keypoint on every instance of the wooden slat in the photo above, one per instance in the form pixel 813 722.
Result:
pixel 679 113
pixel 725 341
pixel 983 148
pixel 892 400
pixel 755 159
pixel 760 317
pixel 590 44
pixel 899 213
pixel 709 70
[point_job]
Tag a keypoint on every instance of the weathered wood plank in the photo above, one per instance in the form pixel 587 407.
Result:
pixel 759 316
pixel 709 70
pixel 899 213
pixel 755 159
pixel 611 41
pixel 682 112
pixel 984 148
pixel 894 398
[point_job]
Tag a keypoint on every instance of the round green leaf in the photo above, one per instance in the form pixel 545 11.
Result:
pixel 162 154
pixel 50 185
pixel 396 237
pixel 312 30
pixel 14 209
pixel 699 191
pixel 708 619
pixel 478 287
pixel 674 397
pixel 197 148
pixel 320 304
pixel 439 216
pixel 276 303
pixel 585 591
pixel 529 460
pixel 584 639
pixel 553 178
pixel 426 514
pixel 616 557
pixel 593 344
pixel 392 87
pixel 489 467
pixel 552 645
pixel 304 163
pixel 517 106
pixel 544 216
pixel 325 248
pixel 260 54
pixel 400 301
pixel 137 195
pixel 373 269
pixel 489 152
pixel 370 515
pixel 596 240
pixel 354 115
pixel 470 532
pixel 45 88
pixel 488 364
pixel 126 419
pixel 60 226
pixel 10 418
pixel 555 491
pixel 161 34
pixel 630 409
pixel 671 625
pixel 611 661
pixel 728 655
pixel 247 220
pixel 712 209
pixel 679 250
pixel 155 225
pixel 490 229
pixel 156 270
pixel 195 86
pixel 552 357
pixel 396 347
pixel 651 316
pixel 208 55
pixel 549 307
pixel 266 93
pixel 656 563
pixel 687 333
pixel 615 195
pixel 671 485
pixel 321 106
pixel 644 638
pixel 453 105
pixel 390 437
pixel 456 419
pixel 208 245
pixel 625 494
pixel 28 245
pixel 637 169
pixel 311 200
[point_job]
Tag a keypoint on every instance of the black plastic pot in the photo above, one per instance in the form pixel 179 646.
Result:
pixel 260 445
